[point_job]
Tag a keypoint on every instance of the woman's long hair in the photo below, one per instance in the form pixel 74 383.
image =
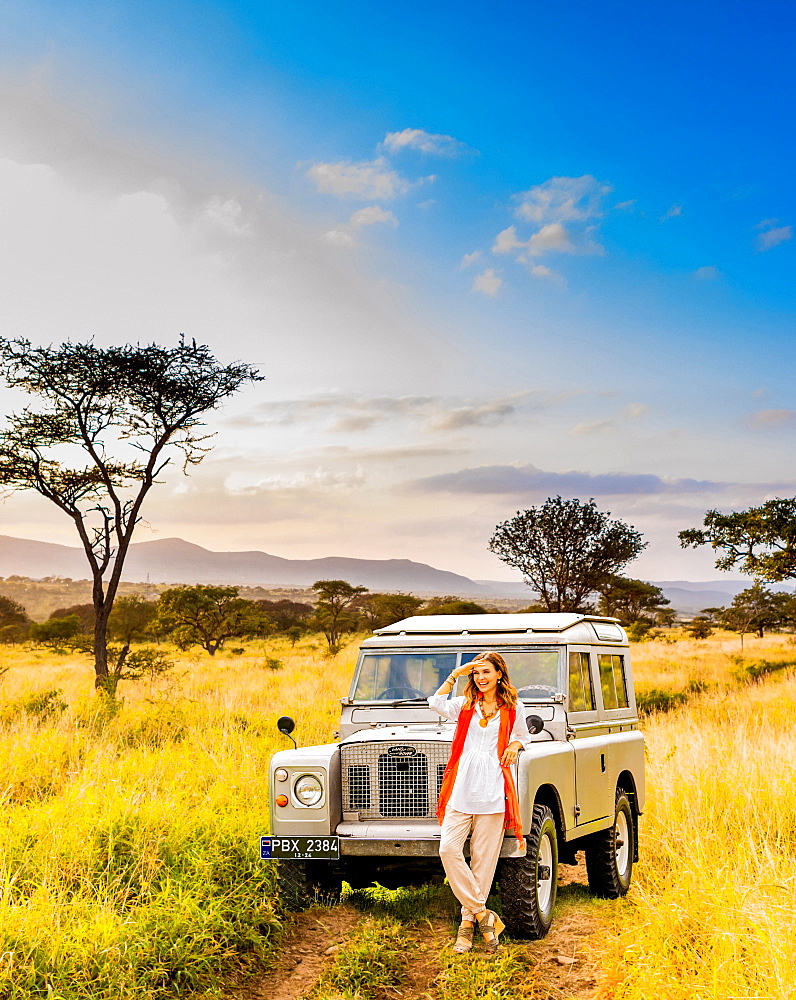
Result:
pixel 506 691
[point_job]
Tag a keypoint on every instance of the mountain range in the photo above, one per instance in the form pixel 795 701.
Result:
pixel 174 561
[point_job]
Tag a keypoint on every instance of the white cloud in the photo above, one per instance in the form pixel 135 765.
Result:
pixel 370 179
pixel 708 273
pixel 552 238
pixel 596 427
pixel 625 206
pixel 343 236
pixel 560 209
pixel 339 238
pixel 773 237
pixel 773 418
pixel 562 199
pixel 371 215
pixel 545 273
pixel 506 241
pixel 672 213
pixel 470 258
pixel 488 283
pixel 425 142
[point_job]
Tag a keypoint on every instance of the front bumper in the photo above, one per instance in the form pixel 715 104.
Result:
pixel 395 840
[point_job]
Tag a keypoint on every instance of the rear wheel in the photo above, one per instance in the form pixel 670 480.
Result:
pixel 609 853
pixel 528 885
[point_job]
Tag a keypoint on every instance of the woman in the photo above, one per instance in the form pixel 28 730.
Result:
pixel 478 796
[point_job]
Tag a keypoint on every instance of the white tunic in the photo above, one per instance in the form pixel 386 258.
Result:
pixel 479 786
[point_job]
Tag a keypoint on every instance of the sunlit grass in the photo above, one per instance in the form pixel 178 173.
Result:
pixel 710 914
pixel 129 833
pixel 129 838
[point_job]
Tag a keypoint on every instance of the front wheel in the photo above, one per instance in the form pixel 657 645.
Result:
pixel 528 885
pixel 302 883
pixel 609 853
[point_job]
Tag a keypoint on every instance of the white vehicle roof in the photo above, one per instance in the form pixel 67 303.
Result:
pixel 473 624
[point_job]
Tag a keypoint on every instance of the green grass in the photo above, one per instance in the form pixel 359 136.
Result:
pixel 371 960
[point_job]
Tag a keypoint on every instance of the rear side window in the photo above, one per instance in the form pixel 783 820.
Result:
pixel 612 680
pixel 581 694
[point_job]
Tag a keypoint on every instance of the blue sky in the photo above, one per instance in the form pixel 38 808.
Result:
pixel 483 256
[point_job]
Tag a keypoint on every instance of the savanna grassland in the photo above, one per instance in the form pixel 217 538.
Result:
pixel 129 838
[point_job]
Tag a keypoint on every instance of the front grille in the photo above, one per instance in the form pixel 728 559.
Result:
pixel 382 785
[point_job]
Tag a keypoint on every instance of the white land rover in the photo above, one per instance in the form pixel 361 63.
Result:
pixel 363 809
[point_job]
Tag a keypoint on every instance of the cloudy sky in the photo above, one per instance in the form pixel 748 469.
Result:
pixel 481 257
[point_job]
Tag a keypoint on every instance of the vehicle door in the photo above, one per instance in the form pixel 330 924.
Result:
pixel 593 791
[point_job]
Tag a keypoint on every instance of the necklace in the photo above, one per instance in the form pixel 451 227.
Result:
pixel 483 723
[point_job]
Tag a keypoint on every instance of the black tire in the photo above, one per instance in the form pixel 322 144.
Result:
pixel 303 883
pixel 293 886
pixel 528 899
pixel 610 853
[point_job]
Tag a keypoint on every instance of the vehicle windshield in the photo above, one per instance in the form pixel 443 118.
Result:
pixel 394 676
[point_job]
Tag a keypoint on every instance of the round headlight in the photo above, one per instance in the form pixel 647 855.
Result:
pixel 309 790
pixel 280 774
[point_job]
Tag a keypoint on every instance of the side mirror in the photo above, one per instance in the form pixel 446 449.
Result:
pixel 286 725
pixel 535 724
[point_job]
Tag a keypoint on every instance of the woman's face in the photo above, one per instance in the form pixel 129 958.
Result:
pixel 486 677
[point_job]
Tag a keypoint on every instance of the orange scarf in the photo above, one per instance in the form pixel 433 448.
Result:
pixel 507 717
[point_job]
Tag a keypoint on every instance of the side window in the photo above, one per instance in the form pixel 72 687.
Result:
pixel 581 695
pixel 612 680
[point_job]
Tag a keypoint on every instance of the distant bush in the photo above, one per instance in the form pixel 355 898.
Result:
pixel 700 627
pixel 58 634
pixel 14 621
pixel 748 671
pixel 41 705
pixel 658 700
pixel 84 612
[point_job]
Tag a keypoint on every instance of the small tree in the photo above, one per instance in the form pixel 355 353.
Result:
pixel 83 612
pixel 700 627
pixel 14 621
pixel 285 614
pixel 452 606
pixel 57 633
pixel 207 616
pixel 96 405
pixel 565 549
pixel 378 610
pixel 333 613
pixel 631 600
pixel 754 610
pixel 131 617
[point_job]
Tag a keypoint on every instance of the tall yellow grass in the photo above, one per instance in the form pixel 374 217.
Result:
pixel 128 838
pixel 711 913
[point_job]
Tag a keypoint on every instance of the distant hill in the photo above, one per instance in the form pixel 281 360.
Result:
pixel 172 560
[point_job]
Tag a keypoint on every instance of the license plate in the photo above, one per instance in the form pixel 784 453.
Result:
pixel 327 848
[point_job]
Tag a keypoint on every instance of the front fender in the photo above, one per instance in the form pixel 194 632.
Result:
pixel 294 818
pixel 553 764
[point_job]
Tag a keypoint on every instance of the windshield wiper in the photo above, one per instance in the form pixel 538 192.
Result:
pixel 410 701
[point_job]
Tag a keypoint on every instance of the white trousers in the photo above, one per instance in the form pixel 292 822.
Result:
pixel 471 883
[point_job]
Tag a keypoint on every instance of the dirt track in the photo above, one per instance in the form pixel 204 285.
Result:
pixel 558 967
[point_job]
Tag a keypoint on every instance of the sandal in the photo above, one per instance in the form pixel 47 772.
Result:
pixel 491 925
pixel 464 938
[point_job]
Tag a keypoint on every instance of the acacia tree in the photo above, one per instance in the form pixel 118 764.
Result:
pixel 109 422
pixel 333 612
pixel 565 549
pixel 760 541
pixel 632 600
pixel 206 616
